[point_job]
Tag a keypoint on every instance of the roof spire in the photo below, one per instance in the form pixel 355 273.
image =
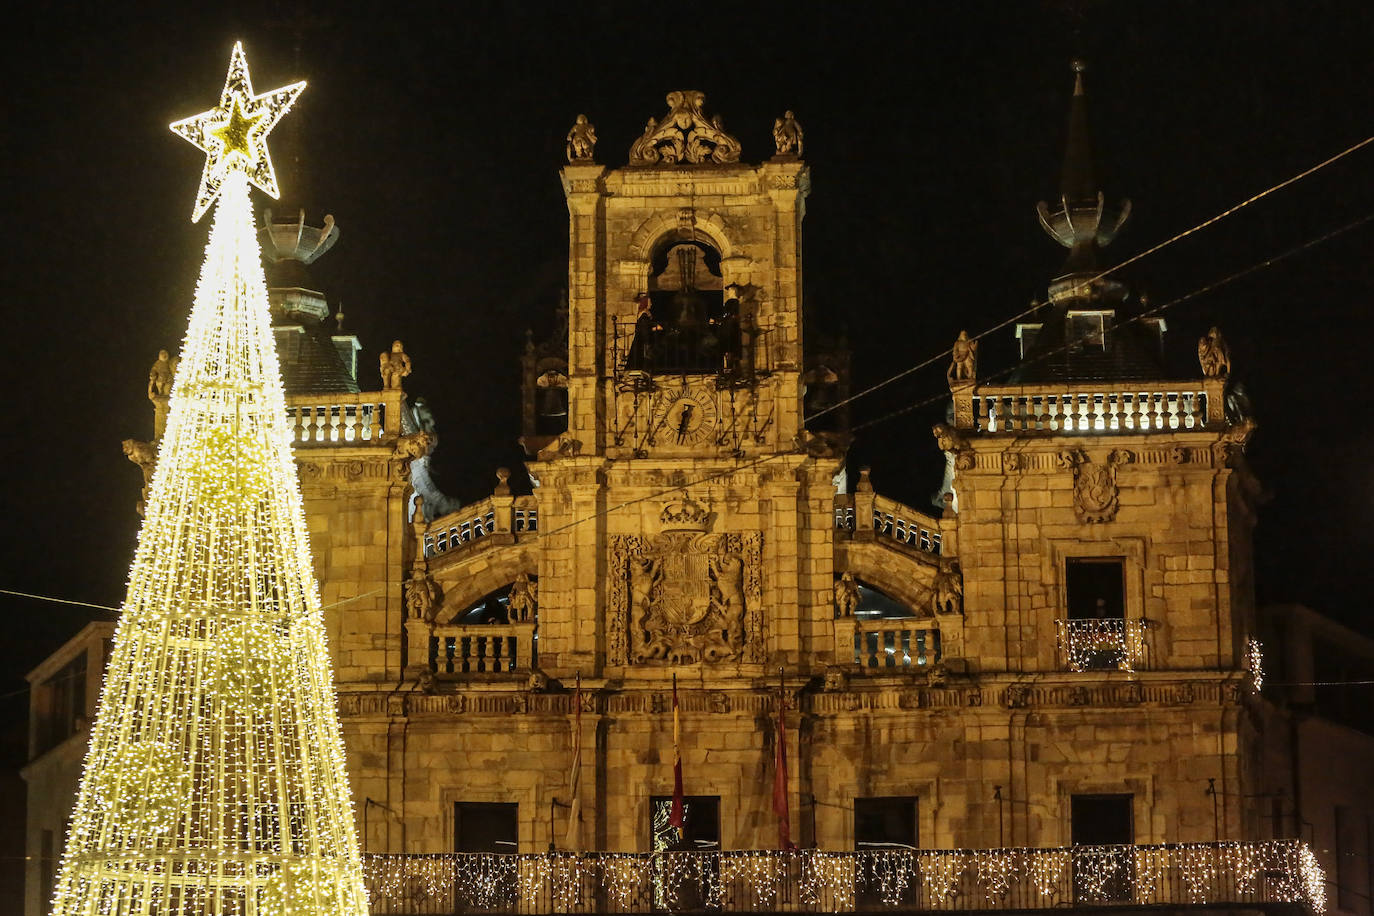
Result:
pixel 1081 222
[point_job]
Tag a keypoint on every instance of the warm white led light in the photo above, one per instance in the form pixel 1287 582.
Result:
pixel 215 781
pixel 233 134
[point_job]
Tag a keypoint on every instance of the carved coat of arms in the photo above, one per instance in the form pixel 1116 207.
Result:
pixel 1095 493
pixel 685 595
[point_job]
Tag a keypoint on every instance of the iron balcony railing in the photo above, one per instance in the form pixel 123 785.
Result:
pixel 813 881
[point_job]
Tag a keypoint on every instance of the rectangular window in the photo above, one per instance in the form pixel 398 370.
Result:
pixel 485 827
pixel 676 889
pixel 1105 822
pixel 1095 587
pixel 887 822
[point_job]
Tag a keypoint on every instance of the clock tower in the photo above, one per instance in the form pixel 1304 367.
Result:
pixel 674 505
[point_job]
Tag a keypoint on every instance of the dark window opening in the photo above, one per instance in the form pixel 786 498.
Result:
pixel 491 608
pixel 63 704
pixel 1103 821
pixel 1095 587
pixel 677 890
pixel 887 822
pixel 485 827
pixel 883 823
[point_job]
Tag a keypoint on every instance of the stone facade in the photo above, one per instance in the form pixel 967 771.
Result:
pixel 689 527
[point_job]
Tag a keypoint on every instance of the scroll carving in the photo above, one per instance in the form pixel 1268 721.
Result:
pixel 685 135
pixel 1096 496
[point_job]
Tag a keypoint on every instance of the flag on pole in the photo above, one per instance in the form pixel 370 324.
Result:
pixel 573 841
pixel 677 817
pixel 780 803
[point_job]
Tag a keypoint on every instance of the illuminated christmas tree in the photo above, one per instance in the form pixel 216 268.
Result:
pixel 215 779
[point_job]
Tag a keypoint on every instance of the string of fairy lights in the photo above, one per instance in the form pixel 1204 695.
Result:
pixel 1278 871
pixel 215 777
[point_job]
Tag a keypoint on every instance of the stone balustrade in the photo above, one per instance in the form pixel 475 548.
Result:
pixel 888 642
pixel 486 648
pixel 887 518
pixel 368 418
pixel 1166 877
pixel 505 515
pixel 1089 407
pixel 1103 644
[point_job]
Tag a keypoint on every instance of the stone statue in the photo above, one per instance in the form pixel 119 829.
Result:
pixel 948 588
pixel 143 454
pixel 787 135
pixel 955 443
pixel 1213 354
pixel 524 599
pixel 415 445
pixel 581 140
pixel 846 595
pixel 395 365
pixel 644 575
pixel 160 376
pixel 963 360
pixel 422 598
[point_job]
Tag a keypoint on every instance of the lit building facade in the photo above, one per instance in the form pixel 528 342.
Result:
pixel 1062 656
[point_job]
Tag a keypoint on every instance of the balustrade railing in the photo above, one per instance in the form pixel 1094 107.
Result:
pixel 1103 644
pixel 494 515
pixel 1088 407
pixel 905 525
pixel 816 881
pixel 340 419
pixel 887 518
pixel 489 648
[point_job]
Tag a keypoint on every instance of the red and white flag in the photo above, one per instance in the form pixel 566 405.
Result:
pixel 781 807
pixel 676 817
pixel 573 841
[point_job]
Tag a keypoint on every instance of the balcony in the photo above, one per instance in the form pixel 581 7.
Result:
pixel 1089 407
pixel 1282 873
pixel 1103 644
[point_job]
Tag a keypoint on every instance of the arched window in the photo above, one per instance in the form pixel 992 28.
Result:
pixel 491 608
pixel 875 604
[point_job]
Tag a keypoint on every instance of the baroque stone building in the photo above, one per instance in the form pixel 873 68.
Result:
pixel 1063 654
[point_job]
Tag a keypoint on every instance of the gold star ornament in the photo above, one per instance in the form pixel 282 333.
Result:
pixel 234 133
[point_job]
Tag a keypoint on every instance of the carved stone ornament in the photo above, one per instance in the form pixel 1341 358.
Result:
pixel 1016 696
pixel 395 365
pixel 581 140
pixel 414 445
pixel 537 682
pixel 963 360
pixel 787 135
pixel 422 598
pixel 524 599
pixel 1232 442
pixel 565 446
pixel 947 589
pixel 954 442
pixel 1213 354
pixel 846 595
pixel 836 679
pixel 1096 496
pixel 686 595
pixel 685 135
pixel 143 454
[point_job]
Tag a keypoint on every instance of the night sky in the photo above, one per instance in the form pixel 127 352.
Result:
pixel 435 139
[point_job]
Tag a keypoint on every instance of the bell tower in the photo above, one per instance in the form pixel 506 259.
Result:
pixel 685 379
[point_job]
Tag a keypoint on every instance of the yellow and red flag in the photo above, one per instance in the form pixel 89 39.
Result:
pixel 677 816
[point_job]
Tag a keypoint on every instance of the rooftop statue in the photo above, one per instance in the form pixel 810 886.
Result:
pixel 581 140
pixel 1213 354
pixel 684 136
pixel 787 135
pixel 395 365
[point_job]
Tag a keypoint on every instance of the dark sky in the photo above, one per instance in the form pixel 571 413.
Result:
pixel 435 138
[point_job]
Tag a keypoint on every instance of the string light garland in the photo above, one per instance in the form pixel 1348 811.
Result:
pixel 1254 663
pixel 1280 871
pixel 214 781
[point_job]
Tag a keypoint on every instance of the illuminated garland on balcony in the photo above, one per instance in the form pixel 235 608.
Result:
pixel 1254 663
pixel 214 781
pixel 1281 871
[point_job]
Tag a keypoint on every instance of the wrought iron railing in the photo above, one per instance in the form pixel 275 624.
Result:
pixel 813 881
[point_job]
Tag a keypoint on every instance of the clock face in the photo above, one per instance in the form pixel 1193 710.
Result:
pixel 685 418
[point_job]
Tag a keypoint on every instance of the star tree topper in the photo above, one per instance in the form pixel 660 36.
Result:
pixel 234 133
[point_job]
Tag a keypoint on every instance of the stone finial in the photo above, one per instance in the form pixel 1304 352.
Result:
pixel 685 135
pixel 963 360
pixel 1213 354
pixel 846 595
pixel 864 485
pixel 395 365
pixel 581 145
pixel 787 135
pixel 502 487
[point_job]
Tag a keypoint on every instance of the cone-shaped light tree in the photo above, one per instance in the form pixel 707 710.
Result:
pixel 215 779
